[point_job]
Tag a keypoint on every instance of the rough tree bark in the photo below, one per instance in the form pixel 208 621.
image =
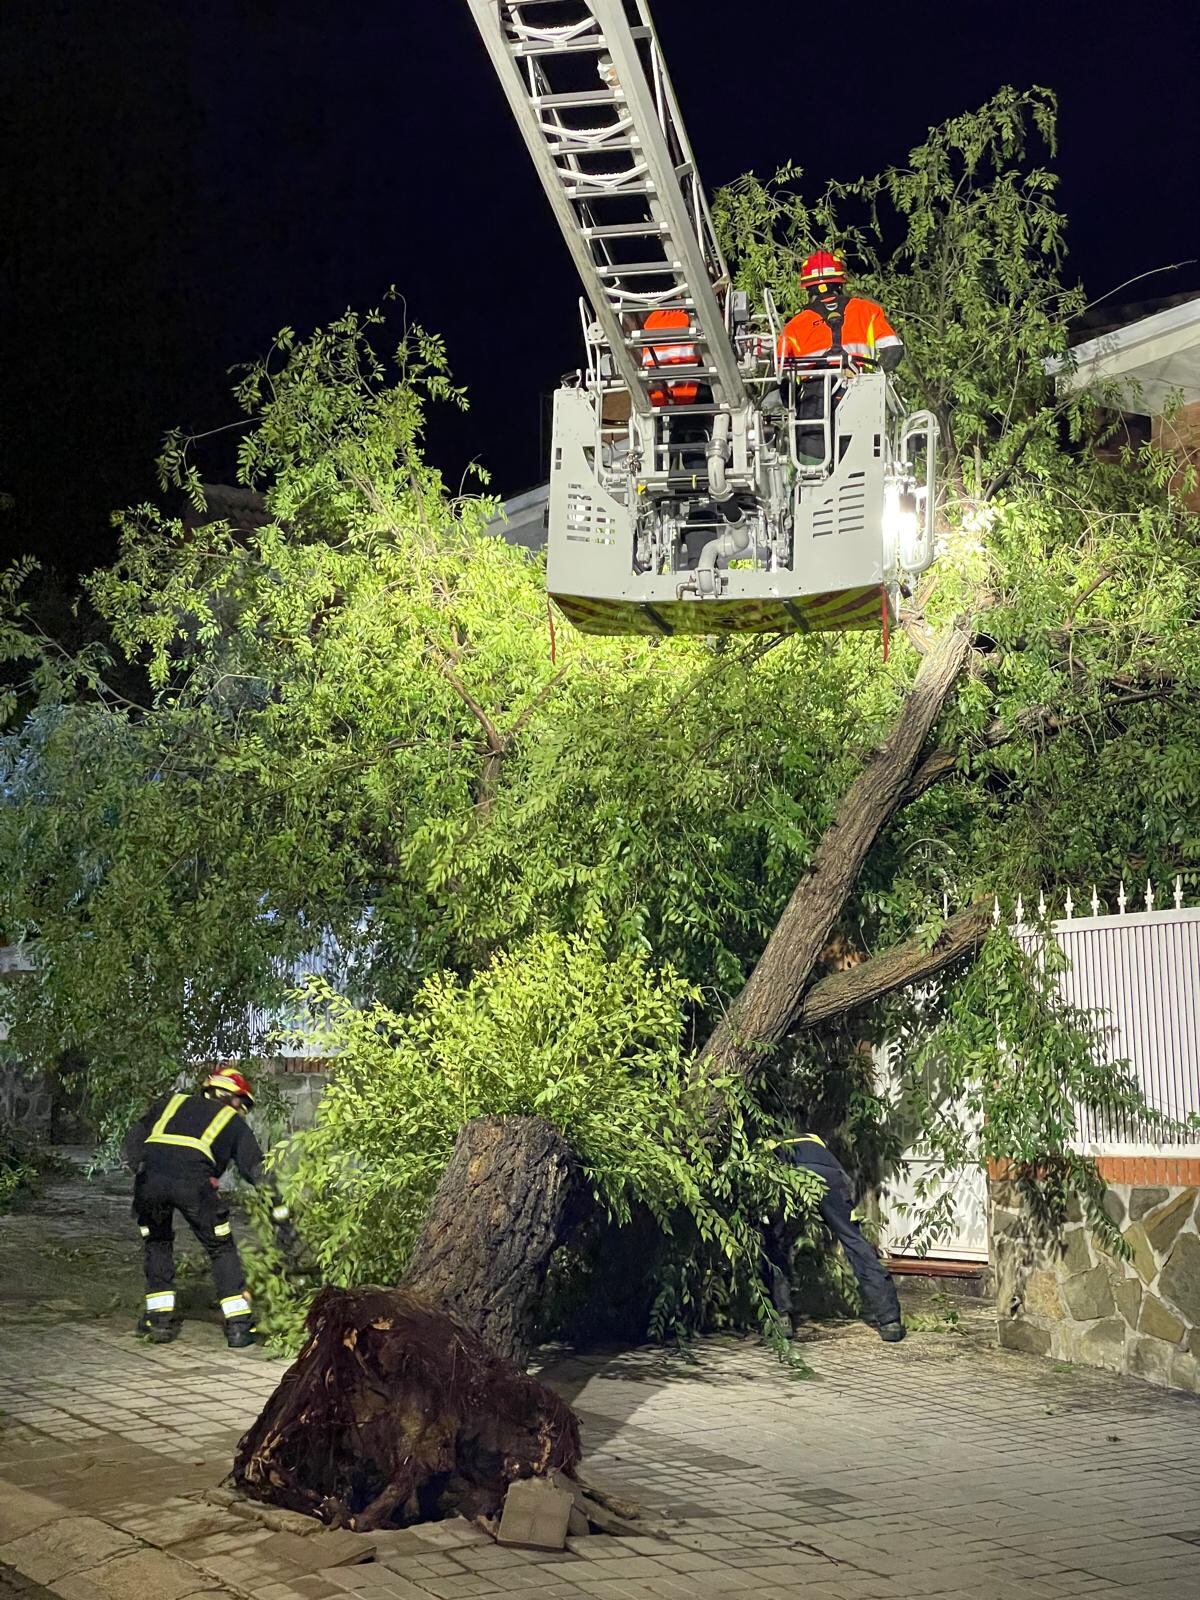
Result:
pixel 767 1006
pixel 411 1403
pixel 503 1205
pixel 897 968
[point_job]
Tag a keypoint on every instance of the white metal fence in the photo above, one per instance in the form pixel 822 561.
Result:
pixel 1138 973
pixel 275 1030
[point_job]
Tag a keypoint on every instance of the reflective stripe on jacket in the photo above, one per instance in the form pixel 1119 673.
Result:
pixel 865 330
pixel 181 1131
pixel 670 355
pixel 162 1132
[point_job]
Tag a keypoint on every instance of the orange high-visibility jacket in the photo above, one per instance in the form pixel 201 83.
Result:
pixel 865 331
pixel 670 355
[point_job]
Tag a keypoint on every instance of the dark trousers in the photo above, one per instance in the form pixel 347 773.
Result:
pixel 157 1196
pixel 880 1302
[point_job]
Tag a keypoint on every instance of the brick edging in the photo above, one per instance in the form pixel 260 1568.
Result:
pixel 1174 1171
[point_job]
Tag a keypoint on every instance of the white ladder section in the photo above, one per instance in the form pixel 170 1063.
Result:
pixel 592 98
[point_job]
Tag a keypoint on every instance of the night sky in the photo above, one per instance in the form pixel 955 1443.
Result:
pixel 183 177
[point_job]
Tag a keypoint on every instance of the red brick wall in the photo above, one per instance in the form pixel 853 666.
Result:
pixel 1181 436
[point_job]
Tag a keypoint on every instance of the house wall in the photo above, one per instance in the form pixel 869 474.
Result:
pixel 1180 435
pixel 298 1081
pixel 1062 1293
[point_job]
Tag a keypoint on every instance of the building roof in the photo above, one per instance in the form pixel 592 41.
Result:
pixel 524 518
pixel 1150 361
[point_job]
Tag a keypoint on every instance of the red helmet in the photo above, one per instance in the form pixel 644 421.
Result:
pixel 822 267
pixel 230 1082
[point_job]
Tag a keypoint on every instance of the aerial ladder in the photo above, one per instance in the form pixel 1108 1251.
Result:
pixel 690 489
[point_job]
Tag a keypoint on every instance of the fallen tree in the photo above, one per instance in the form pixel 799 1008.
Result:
pixel 763 1012
pixel 354 705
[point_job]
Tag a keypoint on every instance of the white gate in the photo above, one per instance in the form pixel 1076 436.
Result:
pixel 925 1185
pixel 961 1195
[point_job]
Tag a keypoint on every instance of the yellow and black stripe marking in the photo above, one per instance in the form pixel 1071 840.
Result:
pixel 841 611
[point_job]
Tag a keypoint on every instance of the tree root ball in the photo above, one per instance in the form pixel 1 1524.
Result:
pixel 395 1412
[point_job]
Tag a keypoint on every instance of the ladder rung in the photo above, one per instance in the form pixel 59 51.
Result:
pixel 579 99
pixel 602 147
pixel 653 336
pixel 693 410
pixel 625 230
pixel 589 44
pixel 600 191
pixel 687 304
pixel 642 269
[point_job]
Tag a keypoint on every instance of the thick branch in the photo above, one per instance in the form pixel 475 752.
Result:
pixel 768 1004
pixel 897 968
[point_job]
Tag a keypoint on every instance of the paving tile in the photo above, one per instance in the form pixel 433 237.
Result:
pixel 22 1512
pixel 462 1587
pixel 328 1547
pixel 146 1575
pixel 67 1546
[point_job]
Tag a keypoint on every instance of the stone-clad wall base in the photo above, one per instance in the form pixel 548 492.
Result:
pixel 26 1101
pixel 1072 1298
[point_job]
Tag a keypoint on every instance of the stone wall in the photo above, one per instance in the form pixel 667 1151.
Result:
pixel 26 1100
pixel 296 1082
pixel 1062 1294
pixel 301 1088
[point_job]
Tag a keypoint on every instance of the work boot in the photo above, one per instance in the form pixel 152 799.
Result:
pixel 160 1327
pixel 239 1332
pixel 892 1332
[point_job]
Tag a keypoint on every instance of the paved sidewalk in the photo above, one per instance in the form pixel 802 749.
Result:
pixel 940 1467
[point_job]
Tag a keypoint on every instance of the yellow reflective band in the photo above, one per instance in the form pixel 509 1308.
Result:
pixel 803 1138
pixel 204 1142
pixel 279 1213
pixel 235 1306
pixel 222 1230
pixel 172 1106
pixel 144 1231
pixel 164 1300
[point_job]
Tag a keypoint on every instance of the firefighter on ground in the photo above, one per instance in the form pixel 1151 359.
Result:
pixel 881 1305
pixel 178 1151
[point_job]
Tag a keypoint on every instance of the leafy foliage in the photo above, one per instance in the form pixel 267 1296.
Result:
pixel 24 1164
pixel 556 1029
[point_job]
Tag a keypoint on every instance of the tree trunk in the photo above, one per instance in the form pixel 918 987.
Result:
pixel 411 1403
pixel 769 1002
pixel 502 1207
